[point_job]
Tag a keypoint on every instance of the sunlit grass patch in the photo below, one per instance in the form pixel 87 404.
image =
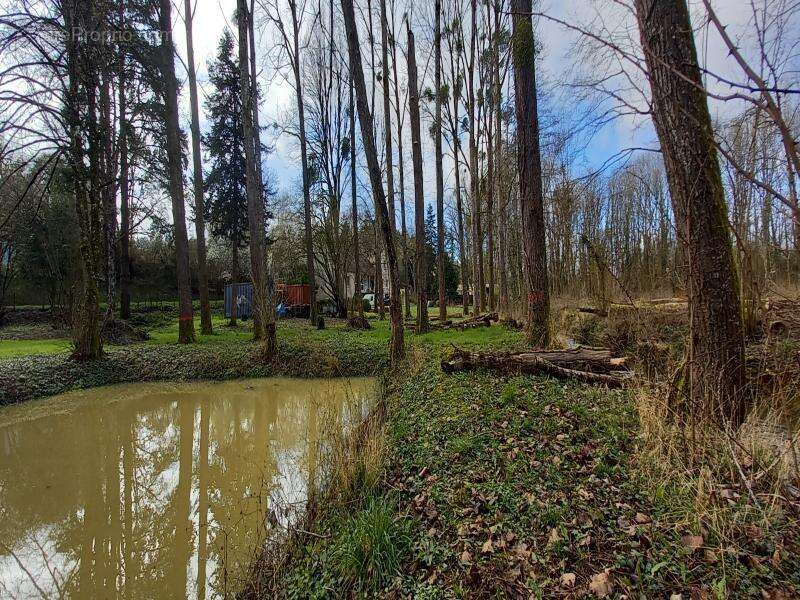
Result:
pixel 15 348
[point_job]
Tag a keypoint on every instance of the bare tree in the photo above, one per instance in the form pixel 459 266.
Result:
pixel 358 297
pixel 197 177
pixel 419 194
pixel 437 140
pixel 397 344
pixel 264 325
pixel 680 113
pixel 454 40
pixel 399 115
pixel 291 46
pixel 473 121
pixel 186 333
pixel 530 176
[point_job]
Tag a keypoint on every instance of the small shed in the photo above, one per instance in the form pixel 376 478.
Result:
pixel 242 294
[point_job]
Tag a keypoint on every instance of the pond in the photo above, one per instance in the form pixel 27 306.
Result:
pixel 161 490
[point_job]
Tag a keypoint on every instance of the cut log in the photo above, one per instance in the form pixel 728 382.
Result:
pixel 591 365
pixel 600 312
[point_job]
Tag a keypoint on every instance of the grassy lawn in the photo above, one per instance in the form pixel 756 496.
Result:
pixel 15 348
pixel 163 330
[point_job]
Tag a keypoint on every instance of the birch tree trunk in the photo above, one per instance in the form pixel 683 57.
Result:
pixel 530 177
pixel 716 373
pixel 397 344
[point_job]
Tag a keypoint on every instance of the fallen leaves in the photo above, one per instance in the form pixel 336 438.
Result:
pixel 568 580
pixel 601 585
pixel 488 547
pixel 692 542
pixel 554 538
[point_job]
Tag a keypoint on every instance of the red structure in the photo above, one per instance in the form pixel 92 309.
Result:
pixel 294 294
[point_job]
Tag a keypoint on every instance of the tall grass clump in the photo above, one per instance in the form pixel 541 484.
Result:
pixel 370 549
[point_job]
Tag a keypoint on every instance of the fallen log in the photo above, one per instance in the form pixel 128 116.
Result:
pixel 481 318
pixel 358 322
pixel 590 365
pixel 600 312
pixel 658 301
pixel 433 326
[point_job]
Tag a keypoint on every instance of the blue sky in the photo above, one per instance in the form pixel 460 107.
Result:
pixel 557 65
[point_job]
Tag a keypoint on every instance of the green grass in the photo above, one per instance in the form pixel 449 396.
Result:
pixel 15 348
pixel 163 330
pixel 508 483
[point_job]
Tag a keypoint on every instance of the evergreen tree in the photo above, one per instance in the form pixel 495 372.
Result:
pixel 226 209
pixel 431 244
pixel 225 183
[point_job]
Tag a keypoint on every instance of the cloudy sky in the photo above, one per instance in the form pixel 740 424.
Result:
pixel 560 63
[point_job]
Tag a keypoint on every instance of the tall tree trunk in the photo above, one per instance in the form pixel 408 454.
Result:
pixel 529 166
pixel 301 116
pixel 397 344
pixel 379 292
pixel 490 198
pixel 437 140
pixel 387 127
pixel 462 242
pixel 387 119
pixel 358 297
pixel 454 131
pixel 83 145
pixel 403 228
pixel 235 282
pixel 251 37
pixel 206 327
pixel 419 194
pixel 502 209
pixel 680 113
pixel 263 314
pixel 124 187
pixel 477 240
pixel 186 319
pixel 109 187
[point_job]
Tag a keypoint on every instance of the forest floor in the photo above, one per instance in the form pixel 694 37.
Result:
pixel 527 487
pixel 485 485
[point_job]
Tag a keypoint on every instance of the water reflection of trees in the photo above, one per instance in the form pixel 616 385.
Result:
pixel 157 490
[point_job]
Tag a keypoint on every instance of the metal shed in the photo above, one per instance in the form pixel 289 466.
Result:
pixel 243 296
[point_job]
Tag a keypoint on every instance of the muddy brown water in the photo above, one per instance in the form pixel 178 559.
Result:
pixel 160 490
